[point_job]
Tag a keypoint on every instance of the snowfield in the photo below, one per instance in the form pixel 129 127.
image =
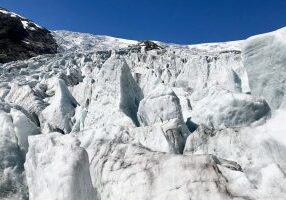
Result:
pixel 114 119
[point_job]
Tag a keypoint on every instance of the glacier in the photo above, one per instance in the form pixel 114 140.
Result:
pixel 113 119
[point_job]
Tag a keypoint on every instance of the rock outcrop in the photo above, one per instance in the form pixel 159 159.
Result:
pixel 21 39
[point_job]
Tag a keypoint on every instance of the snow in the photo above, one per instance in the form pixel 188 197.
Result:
pixel 12 14
pixel 87 42
pixel 25 22
pixel 106 119
pixel 222 46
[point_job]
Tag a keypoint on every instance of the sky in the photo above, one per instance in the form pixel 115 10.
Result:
pixel 174 21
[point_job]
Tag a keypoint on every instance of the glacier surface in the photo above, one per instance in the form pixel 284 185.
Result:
pixel 114 119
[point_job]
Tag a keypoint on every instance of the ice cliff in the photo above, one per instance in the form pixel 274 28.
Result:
pixel 114 119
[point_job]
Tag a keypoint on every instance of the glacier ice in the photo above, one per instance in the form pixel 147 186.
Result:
pixel 109 118
pixel 14 132
pixel 125 171
pixel 23 128
pixel 57 168
pixel 237 109
pixel 260 155
pixel 264 60
pixel 57 115
pixel 169 136
pixel 160 105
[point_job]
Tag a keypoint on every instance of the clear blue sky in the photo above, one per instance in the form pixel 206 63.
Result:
pixel 177 21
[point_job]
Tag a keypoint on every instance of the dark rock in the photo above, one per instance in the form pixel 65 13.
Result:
pixel 21 39
pixel 148 45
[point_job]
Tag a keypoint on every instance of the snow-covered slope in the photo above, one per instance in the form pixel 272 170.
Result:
pixel 114 119
pixel 71 41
